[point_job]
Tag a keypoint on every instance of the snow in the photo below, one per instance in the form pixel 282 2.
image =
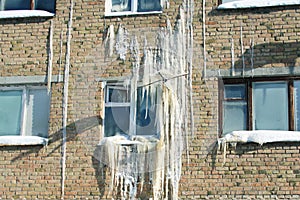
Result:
pixel 260 136
pixel 22 140
pixel 24 13
pixel 257 3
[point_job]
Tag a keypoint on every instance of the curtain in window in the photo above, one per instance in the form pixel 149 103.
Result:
pixel 146 5
pixel 10 112
pixel 270 106
pixel 235 116
pixel 121 5
pixel 37 115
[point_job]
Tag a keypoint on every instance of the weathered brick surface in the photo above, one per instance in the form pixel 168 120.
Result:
pixel 250 172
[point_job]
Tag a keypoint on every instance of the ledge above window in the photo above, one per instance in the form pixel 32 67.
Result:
pixel 239 4
pixel 22 140
pixel 8 14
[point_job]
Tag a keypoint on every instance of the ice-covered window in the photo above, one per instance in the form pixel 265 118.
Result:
pixel 120 111
pixel 127 7
pixel 27 5
pixel 251 104
pixel 235 4
pixel 24 111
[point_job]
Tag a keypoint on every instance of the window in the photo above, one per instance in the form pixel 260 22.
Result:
pixel 258 104
pixel 24 111
pixel 125 116
pixel 45 5
pixel 127 7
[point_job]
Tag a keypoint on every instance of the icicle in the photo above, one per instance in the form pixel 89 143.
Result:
pixel 109 41
pixel 122 42
pixel 242 50
pixel 204 38
pixel 252 56
pixel 50 57
pixel 65 98
pixel 232 58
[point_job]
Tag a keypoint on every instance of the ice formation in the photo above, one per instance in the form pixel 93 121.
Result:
pixel 162 73
pixel 22 140
pixel 258 136
pixel 257 3
pixel 24 13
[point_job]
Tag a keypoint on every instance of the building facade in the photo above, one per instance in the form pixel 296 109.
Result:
pixel 139 100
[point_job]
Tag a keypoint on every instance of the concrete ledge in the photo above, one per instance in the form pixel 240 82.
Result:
pixel 257 72
pixel 10 80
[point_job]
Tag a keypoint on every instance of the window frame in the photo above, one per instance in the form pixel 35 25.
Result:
pixel 249 98
pixel 133 127
pixel 32 7
pixel 133 11
pixel 24 109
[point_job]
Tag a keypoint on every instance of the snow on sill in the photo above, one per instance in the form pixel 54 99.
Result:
pixel 116 14
pixel 260 136
pixel 7 14
pixel 22 140
pixel 257 3
pixel 125 140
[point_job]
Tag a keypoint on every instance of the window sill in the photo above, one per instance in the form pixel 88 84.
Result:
pixel 116 14
pixel 257 4
pixel 22 140
pixel 260 136
pixel 8 14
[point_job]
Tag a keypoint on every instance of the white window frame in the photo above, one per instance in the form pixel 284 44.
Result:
pixel 134 9
pixel 131 105
pixel 25 96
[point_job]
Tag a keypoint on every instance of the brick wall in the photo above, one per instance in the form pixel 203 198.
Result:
pixel 250 172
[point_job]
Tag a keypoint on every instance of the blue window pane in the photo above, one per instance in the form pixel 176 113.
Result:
pixel 297 104
pixel 121 5
pixel 145 115
pixel 235 91
pixel 10 112
pixel 270 106
pixel 37 113
pixel 116 120
pixel 149 5
pixel 47 5
pixel 16 4
pixel 234 116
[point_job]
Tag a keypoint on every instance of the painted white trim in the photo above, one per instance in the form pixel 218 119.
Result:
pixel 238 4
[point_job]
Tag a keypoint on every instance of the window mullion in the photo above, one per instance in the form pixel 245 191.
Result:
pixel 32 4
pixel 250 105
pixel 134 5
pixel 291 106
pixel 24 111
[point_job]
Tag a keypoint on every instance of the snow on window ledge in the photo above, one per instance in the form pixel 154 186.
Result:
pixel 125 140
pixel 257 3
pixel 24 14
pixel 260 136
pixel 22 140
pixel 116 14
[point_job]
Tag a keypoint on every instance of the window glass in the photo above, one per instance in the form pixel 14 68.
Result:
pixel 146 5
pixel 234 116
pixel 16 4
pixel 121 5
pixel 10 112
pixel 297 104
pixel 270 106
pixel 118 95
pixel 37 113
pixel 146 114
pixel 234 91
pixel 116 120
pixel 47 5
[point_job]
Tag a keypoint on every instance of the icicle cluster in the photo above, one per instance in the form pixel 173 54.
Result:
pixel 162 75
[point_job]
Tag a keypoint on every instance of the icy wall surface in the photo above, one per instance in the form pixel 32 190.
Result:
pixel 162 72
